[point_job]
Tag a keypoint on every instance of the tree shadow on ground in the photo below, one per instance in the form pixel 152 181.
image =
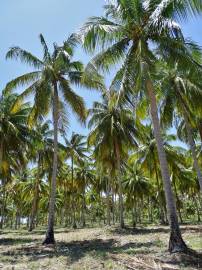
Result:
pixel 36 232
pixel 191 258
pixel 139 230
pixel 97 248
pixel 15 241
pixel 75 250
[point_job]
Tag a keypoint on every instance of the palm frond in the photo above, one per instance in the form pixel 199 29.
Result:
pixel 25 57
pixel 22 81
pixel 75 102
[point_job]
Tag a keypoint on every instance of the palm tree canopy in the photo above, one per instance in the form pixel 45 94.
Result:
pixel 14 133
pixel 112 123
pixel 56 68
pixel 131 32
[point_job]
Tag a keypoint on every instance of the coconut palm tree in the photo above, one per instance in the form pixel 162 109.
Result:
pixel 76 150
pixel 41 153
pixel 112 135
pixel 183 95
pixel 14 140
pixel 85 176
pixel 51 84
pixel 136 185
pixel 126 34
pixel 31 190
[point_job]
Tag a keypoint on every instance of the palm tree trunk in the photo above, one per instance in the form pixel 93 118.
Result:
pixel 2 184
pixel 108 203
pixel 35 200
pixel 121 208
pixel 134 209
pixel 50 231
pixel 192 148
pixel 83 220
pixel 176 242
pixel 162 221
pixel 34 206
pixel 113 208
pixel 73 202
pixel 197 207
pixel 3 203
pixel 177 201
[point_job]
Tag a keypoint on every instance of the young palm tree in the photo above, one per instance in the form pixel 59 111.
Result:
pixel 51 84
pixel 125 34
pixel 32 190
pixel 76 150
pixel 136 185
pixel 112 135
pixel 85 176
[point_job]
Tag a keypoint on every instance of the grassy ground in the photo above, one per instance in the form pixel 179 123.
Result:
pixel 98 248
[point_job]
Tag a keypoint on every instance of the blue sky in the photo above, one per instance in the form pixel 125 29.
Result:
pixel 21 21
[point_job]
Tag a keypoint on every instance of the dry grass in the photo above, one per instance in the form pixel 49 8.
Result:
pixel 98 248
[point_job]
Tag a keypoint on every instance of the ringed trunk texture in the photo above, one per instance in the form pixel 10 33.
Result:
pixel 49 239
pixel 176 243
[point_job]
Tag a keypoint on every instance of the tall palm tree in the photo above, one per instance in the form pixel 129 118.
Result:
pixel 112 135
pixel 183 94
pixel 126 34
pixel 51 84
pixel 76 150
pixel 41 153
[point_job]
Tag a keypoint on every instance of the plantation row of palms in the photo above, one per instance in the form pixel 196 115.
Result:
pixel 127 167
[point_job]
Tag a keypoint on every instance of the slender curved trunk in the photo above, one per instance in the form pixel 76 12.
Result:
pixel 192 148
pixel 121 208
pixel 176 242
pixel 49 239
